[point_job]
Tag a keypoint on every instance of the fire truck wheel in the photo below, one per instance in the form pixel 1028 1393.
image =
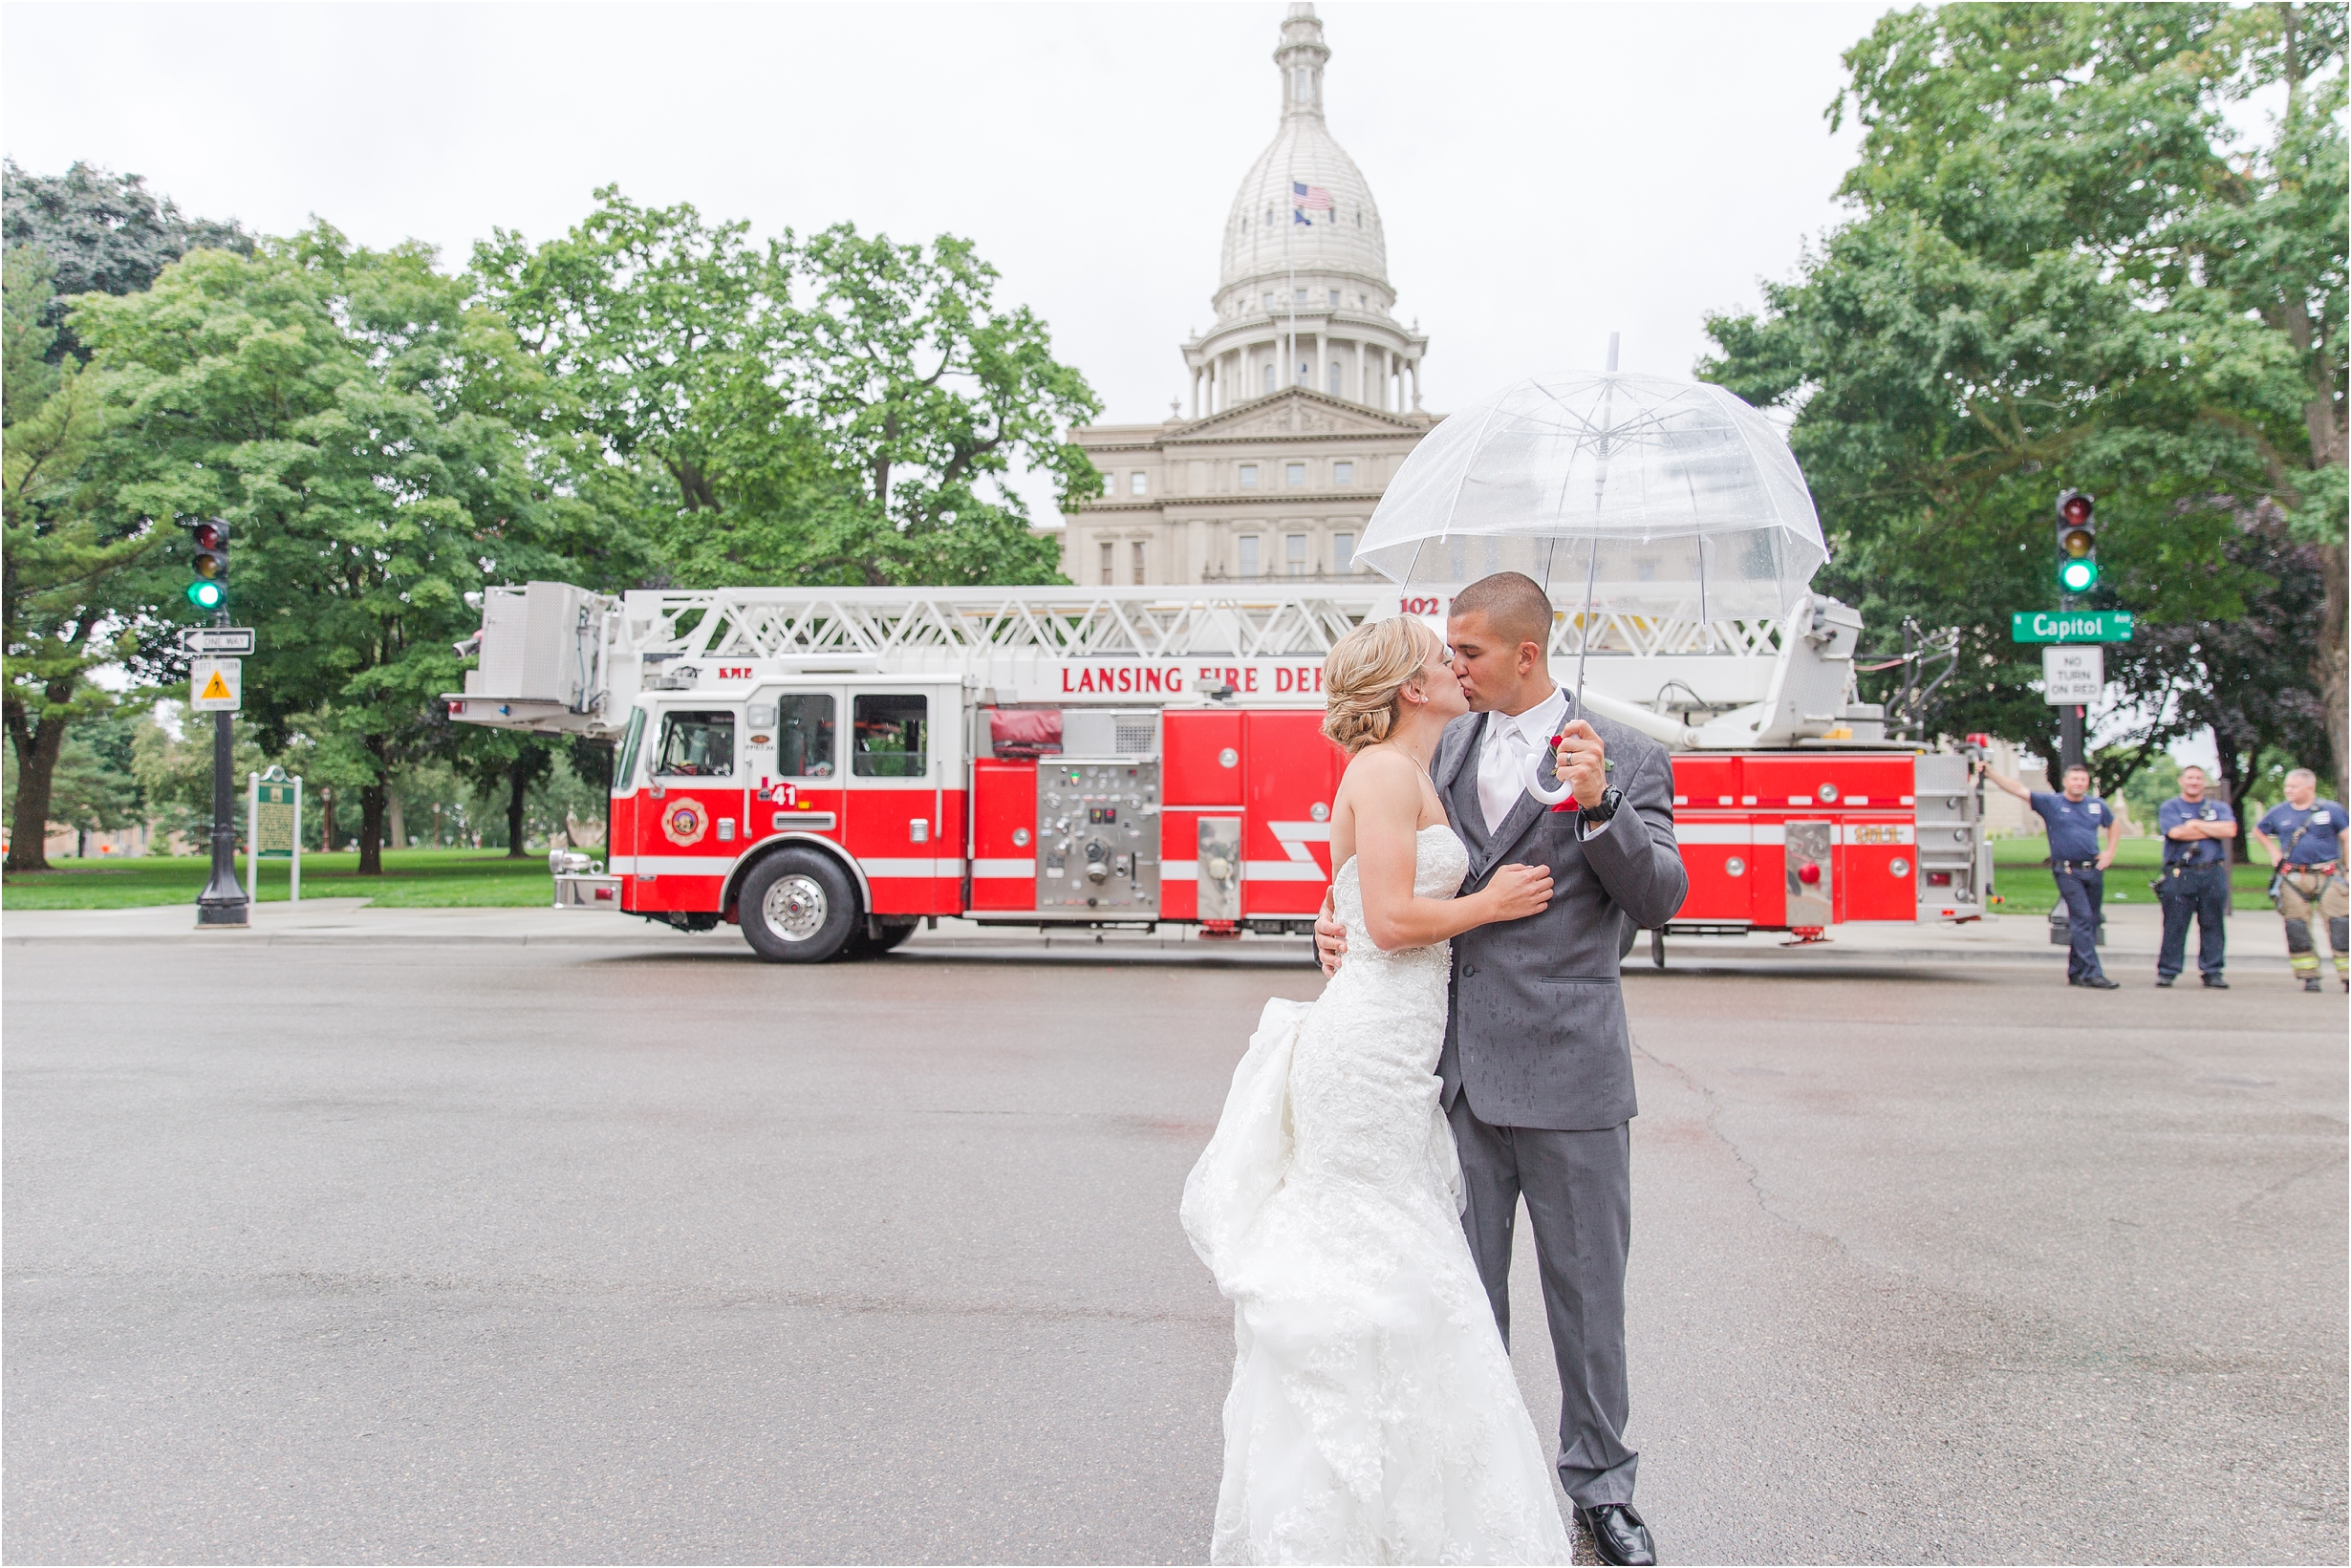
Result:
pixel 798 908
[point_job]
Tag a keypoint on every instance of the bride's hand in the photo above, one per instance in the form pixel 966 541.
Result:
pixel 1518 892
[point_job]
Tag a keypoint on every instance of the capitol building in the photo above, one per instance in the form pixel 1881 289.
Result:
pixel 1304 394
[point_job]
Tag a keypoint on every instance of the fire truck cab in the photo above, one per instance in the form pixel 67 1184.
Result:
pixel 830 769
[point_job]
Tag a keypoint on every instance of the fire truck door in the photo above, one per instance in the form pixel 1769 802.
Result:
pixel 894 801
pixel 691 812
pixel 793 762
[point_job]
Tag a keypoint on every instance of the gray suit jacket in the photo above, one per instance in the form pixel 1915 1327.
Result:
pixel 1537 1036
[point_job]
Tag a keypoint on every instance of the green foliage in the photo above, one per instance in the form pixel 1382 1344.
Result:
pixel 2062 271
pixel 101 233
pixel 842 410
pixel 354 419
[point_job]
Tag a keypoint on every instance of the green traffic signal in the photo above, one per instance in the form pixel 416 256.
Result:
pixel 2079 576
pixel 206 594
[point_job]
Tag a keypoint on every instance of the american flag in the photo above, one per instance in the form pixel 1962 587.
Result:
pixel 1309 198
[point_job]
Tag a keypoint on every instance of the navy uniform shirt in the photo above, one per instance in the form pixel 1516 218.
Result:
pixel 2073 824
pixel 2194 852
pixel 2319 843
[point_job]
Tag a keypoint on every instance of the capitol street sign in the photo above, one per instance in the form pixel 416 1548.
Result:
pixel 2070 626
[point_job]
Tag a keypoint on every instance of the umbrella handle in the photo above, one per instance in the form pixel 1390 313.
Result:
pixel 1535 785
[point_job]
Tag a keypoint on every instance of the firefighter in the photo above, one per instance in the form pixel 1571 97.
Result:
pixel 2196 830
pixel 2077 862
pixel 2304 839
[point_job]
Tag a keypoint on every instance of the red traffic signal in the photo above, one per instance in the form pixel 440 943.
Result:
pixel 2076 508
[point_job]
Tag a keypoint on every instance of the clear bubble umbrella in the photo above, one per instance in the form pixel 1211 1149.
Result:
pixel 1652 496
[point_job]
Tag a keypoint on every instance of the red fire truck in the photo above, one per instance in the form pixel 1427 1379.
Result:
pixel 828 768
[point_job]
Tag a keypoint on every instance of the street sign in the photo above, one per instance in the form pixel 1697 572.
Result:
pixel 217 639
pixel 2074 675
pixel 215 685
pixel 2069 626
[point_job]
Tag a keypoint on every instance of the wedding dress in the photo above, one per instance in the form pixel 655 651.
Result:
pixel 1373 1416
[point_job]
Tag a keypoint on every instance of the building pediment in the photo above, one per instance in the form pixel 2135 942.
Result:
pixel 1298 411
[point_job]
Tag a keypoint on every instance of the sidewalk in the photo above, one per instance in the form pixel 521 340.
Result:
pixel 2134 933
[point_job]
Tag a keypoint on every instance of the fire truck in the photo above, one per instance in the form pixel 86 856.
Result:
pixel 830 769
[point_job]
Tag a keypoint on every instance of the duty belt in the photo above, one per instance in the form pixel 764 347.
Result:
pixel 2073 865
pixel 2319 868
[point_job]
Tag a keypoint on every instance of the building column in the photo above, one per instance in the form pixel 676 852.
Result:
pixel 1413 366
pixel 1363 388
pixel 1321 354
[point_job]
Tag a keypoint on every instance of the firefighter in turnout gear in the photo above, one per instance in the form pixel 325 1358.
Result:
pixel 2305 838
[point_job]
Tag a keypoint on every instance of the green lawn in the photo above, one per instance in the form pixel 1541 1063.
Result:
pixel 412 879
pixel 2022 880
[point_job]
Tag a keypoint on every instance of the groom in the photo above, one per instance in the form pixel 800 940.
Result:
pixel 1538 1066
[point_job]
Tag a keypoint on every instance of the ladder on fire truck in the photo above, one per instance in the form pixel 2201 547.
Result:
pixel 558 658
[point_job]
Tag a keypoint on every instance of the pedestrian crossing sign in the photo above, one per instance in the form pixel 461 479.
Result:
pixel 215 685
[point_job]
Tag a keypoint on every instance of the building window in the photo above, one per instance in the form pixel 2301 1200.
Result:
pixel 1305 373
pixel 1334 299
pixel 1362 302
pixel 1334 377
pixel 1249 555
pixel 1269 377
pixel 1302 296
pixel 1343 472
pixel 1341 552
pixel 1269 300
pixel 1142 556
pixel 1294 552
pixel 1294 476
pixel 1109 563
pixel 1138 485
pixel 1248 475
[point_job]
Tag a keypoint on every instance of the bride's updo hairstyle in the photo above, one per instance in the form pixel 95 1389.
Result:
pixel 1366 670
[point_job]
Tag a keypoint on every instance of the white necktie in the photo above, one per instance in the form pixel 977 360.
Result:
pixel 1502 774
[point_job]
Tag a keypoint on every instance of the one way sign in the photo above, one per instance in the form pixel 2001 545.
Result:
pixel 215 685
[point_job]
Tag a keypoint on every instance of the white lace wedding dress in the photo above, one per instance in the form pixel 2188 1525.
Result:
pixel 1373 1416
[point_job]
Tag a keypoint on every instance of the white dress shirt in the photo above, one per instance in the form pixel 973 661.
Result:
pixel 1510 740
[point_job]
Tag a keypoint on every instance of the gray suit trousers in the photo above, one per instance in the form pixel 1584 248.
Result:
pixel 1579 1194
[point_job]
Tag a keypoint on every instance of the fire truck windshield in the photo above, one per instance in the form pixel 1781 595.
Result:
pixel 696 746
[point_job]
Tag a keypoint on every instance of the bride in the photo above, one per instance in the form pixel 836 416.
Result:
pixel 1373 1416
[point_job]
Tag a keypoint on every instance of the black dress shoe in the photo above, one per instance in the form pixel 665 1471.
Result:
pixel 2095 982
pixel 2213 983
pixel 1619 1534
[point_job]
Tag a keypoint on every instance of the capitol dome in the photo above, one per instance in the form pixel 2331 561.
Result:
pixel 1305 207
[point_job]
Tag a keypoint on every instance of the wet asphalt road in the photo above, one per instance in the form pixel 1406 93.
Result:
pixel 453 1254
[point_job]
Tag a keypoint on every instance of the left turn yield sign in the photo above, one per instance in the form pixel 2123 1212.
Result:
pixel 214 685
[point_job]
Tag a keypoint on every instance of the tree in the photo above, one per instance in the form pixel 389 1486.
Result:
pixel 508 764
pixel 65 570
pixel 2033 292
pixel 104 233
pixel 842 411
pixel 354 419
pixel 71 562
pixel 2248 676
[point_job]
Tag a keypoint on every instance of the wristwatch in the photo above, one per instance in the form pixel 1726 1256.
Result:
pixel 1603 812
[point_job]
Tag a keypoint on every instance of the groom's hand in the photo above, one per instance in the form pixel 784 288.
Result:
pixel 1329 936
pixel 1580 762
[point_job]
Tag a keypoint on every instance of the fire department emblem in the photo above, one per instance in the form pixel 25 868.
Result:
pixel 684 823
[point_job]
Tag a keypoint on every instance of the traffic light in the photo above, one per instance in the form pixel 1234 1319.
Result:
pixel 210 588
pixel 2077 541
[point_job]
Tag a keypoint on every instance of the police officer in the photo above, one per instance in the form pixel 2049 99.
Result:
pixel 2196 830
pixel 2074 819
pixel 2304 839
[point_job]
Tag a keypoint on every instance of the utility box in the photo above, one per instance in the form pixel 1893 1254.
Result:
pixel 542 642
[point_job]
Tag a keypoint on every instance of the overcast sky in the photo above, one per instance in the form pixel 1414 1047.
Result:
pixel 1548 173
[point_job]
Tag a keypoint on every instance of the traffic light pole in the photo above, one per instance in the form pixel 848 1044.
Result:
pixel 222 902
pixel 2069 722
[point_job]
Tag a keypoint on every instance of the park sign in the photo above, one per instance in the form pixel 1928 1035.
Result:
pixel 2070 626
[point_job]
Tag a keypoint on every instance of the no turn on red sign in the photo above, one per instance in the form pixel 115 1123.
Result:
pixel 2072 675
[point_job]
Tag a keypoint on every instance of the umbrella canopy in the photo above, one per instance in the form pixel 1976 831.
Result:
pixel 1662 497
